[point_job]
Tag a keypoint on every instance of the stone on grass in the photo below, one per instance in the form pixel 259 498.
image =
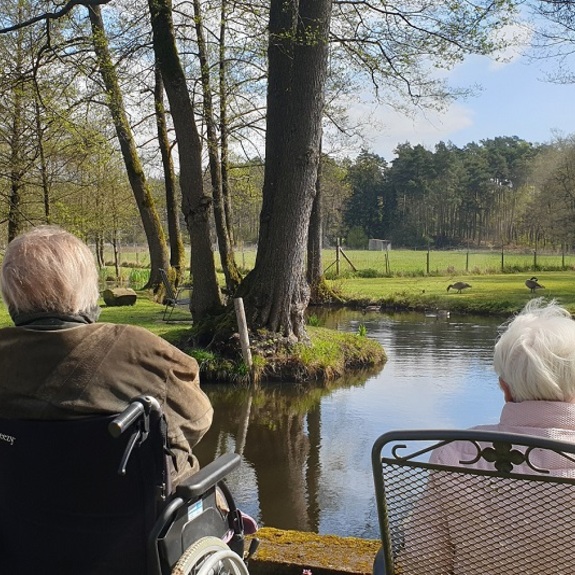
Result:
pixel 120 296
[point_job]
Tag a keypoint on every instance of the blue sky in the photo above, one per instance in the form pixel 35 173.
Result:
pixel 515 100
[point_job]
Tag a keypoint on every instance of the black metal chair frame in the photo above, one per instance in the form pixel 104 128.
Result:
pixel 172 297
pixel 411 449
pixel 50 497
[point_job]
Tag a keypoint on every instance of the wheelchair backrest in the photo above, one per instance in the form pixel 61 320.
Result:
pixel 474 502
pixel 63 506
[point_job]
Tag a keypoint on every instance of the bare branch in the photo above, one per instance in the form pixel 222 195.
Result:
pixel 53 15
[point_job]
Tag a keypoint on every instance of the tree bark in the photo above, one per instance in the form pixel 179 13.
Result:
pixel 227 258
pixel 224 125
pixel 314 262
pixel 196 204
pixel 276 292
pixel 15 219
pixel 177 251
pixel 144 200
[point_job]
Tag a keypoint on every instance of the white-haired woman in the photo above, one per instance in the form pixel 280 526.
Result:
pixel 534 359
pixel 57 362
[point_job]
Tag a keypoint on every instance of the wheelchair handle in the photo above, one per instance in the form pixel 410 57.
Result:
pixel 138 406
pixel 119 424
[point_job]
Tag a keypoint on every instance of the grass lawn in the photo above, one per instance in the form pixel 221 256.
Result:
pixel 498 293
pixel 400 263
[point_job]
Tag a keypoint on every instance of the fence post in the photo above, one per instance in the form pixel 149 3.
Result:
pixel 427 259
pixel 502 258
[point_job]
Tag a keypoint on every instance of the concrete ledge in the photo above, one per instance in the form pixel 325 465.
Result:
pixel 290 552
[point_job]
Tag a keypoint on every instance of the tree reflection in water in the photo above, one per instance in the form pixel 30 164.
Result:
pixel 277 430
pixel 306 448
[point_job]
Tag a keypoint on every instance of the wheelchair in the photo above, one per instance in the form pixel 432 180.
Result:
pixel 92 496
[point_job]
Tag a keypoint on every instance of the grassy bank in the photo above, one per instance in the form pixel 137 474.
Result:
pixel 500 294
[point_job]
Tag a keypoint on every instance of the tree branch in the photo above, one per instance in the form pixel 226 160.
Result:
pixel 53 15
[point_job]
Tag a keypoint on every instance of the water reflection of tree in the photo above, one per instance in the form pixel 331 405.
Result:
pixel 278 431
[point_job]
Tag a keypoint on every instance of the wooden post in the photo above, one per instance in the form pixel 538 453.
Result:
pixel 502 258
pixel 244 425
pixel 337 258
pixel 427 258
pixel 243 328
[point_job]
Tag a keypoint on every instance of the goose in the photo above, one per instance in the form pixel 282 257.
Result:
pixel 458 286
pixel 371 308
pixel 533 284
pixel 437 313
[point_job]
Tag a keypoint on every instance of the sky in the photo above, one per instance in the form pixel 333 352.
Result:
pixel 515 99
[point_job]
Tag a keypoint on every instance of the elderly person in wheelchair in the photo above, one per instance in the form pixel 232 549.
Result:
pixel 83 489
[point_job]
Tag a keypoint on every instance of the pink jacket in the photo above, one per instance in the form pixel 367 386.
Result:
pixel 468 529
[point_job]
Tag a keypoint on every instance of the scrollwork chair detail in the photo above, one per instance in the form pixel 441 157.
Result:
pixel 505 506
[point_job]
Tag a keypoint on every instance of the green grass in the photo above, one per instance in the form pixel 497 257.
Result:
pixel 145 313
pixel 409 263
pixel 496 294
pixel 420 263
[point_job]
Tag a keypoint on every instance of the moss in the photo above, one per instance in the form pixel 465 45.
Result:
pixel 289 552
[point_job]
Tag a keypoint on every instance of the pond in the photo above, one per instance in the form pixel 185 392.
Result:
pixel 306 448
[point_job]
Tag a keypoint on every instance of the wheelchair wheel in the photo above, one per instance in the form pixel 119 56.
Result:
pixel 210 556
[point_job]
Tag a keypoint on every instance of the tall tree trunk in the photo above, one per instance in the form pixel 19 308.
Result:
pixel 15 218
pixel 196 204
pixel 276 293
pixel 227 259
pixel 224 127
pixel 314 263
pixel 16 174
pixel 42 158
pixel 144 200
pixel 177 252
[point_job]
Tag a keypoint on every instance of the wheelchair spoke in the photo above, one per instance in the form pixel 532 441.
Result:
pixel 210 556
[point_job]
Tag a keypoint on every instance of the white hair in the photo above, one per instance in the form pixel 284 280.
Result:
pixel 49 270
pixel 535 355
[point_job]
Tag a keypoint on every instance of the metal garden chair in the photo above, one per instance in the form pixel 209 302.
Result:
pixel 499 510
pixel 172 296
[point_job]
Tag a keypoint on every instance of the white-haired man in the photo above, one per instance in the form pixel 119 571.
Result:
pixel 57 362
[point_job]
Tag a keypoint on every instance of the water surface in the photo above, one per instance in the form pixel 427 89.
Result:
pixel 306 449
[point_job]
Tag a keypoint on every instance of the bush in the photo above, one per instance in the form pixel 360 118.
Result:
pixel 357 238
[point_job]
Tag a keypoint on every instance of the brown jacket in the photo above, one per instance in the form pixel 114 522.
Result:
pixel 98 368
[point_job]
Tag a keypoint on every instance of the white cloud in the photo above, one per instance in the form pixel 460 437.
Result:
pixel 384 128
pixel 519 37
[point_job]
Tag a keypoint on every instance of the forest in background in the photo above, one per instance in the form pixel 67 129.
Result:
pixel 505 192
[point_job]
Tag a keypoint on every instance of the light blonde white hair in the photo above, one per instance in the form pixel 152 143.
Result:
pixel 535 355
pixel 47 269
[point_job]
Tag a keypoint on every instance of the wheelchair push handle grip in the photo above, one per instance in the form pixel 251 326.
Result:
pixel 123 421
